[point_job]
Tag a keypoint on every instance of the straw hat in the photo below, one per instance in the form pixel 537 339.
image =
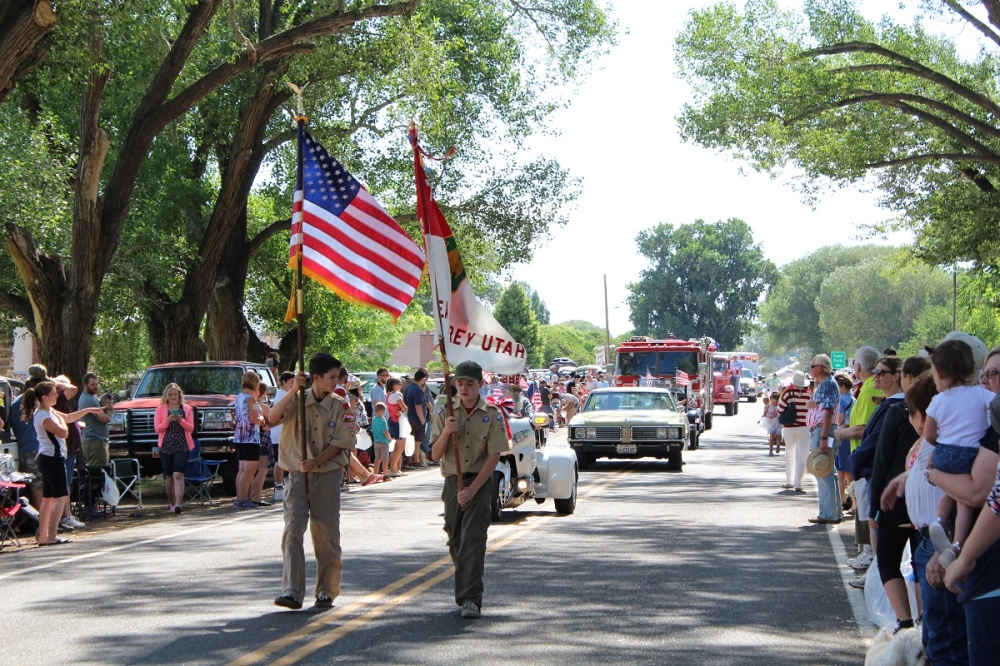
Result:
pixel 820 463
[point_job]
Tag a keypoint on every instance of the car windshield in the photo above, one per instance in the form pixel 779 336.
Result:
pixel 368 379
pixel 719 365
pixel 748 373
pixel 201 380
pixel 637 363
pixel 628 400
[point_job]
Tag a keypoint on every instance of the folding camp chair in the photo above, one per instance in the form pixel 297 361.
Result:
pixel 128 476
pixel 89 486
pixel 10 504
pixel 199 477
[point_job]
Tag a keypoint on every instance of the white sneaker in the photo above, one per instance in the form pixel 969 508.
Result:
pixel 72 523
pixel 279 493
pixel 862 561
pixel 858 582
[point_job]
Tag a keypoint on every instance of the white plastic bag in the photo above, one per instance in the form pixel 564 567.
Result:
pixel 877 602
pixel 405 435
pixel 110 492
pixel 364 441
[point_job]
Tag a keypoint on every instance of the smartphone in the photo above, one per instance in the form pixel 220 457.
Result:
pixel 175 412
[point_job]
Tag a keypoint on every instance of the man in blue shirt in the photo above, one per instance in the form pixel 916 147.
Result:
pixel 827 397
pixel 416 413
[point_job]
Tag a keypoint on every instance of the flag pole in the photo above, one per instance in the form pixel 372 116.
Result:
pixel 300 121
pixel 449 402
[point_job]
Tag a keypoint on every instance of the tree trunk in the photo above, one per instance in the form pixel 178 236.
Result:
pixel 23 23
pixel 226 329
pixel 171 335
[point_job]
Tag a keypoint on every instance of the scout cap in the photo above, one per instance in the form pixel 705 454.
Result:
pixel 469 370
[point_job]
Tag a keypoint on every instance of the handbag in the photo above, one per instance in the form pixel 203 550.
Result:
pixel 787 417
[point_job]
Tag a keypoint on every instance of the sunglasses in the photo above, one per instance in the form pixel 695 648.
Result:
pixel 878 372
pixel 816 365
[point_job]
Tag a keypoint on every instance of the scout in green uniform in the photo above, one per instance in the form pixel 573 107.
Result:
pixel 481 439
pixel 331 433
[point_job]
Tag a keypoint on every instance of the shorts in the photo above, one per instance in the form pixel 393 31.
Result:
pixel 174 463
pixel 53 471
pixel 381 452
pixel 29 465
pixel 418 428
pixel 248 452
pixel 394 429
pixel 843 454
pixel 862 493
pixel 952 459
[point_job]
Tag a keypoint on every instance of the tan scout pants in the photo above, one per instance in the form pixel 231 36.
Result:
pixel 467 537
pixel 320 510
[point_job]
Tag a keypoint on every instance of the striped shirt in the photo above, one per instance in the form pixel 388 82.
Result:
pixel 921 497
pixel 800 397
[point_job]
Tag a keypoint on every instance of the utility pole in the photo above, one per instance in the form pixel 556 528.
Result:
pixel 607 326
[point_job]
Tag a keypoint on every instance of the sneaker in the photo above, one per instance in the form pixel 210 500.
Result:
pixel 286 601
pixel 75 523
pixel 261 503
pixel 279 493
pixel 939 537
pixel 178 509
pixel 858 582
pixel 470 610
pixel 64 526
pixel 863 560
pixel 323 601
pixel 244 504
pixel 393 474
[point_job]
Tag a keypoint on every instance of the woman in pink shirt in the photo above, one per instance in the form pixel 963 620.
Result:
pixel 174 422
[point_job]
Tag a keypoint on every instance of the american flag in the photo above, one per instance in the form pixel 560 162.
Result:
pixel 536 401
pixel 497 390
pixel 648 379
pixel 348 242
pixel 682 379
pixel 523 383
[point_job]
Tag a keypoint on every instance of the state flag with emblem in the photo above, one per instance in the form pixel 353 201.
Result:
pixel 468 331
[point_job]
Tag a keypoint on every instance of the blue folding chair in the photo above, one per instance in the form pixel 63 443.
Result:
pixel 199 475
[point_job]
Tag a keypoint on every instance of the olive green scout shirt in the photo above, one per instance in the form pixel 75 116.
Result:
pixel 479 434
pixel 329 422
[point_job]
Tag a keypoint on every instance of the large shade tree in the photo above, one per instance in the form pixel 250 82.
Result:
pixel 845 99
pixel 702 279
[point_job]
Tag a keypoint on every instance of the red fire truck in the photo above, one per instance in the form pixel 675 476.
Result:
pixel 641 358
pixel 725 393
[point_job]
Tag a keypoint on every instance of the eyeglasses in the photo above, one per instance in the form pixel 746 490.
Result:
pixel 816 365
pixel 991 373
pixel 878 372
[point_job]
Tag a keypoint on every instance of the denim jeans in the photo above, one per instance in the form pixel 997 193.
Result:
pixel 981 623
pixel 828 486
pixel 943 628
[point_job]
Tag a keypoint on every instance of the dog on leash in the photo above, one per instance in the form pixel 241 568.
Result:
pixel 903 648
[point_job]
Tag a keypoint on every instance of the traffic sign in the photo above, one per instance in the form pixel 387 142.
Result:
pixel 839 360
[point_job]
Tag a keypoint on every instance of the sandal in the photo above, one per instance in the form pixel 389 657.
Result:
pixel 371 478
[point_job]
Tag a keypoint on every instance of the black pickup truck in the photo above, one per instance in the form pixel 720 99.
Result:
pixel 210 387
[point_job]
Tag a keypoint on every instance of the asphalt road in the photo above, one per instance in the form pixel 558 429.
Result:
pixel 714 565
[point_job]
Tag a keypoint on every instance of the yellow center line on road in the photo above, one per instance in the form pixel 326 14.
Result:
pixel 501 540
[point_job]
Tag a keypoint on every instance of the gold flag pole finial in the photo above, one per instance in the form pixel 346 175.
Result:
pixel 300 107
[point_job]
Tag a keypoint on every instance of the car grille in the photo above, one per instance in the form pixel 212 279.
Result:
pixel 646 433
pixel 141 422
pixel 608 432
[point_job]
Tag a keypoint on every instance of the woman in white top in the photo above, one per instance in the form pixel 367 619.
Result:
pixel 50 427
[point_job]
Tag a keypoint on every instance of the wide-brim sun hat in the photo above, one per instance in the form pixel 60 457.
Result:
pixel 799 380
pixel 820 463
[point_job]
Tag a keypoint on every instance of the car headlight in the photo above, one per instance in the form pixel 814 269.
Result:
pixel 673 433
pixel 591 433
pixel 661 433
pixel 217 419
pixel 579 433
pixel 117 424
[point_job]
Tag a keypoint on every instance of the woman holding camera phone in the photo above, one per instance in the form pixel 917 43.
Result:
pixel 174 422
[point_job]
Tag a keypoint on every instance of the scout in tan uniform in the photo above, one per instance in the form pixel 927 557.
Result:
pixel 481 439
pixel 330 437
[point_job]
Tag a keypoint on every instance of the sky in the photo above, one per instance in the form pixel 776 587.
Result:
pixel 619 136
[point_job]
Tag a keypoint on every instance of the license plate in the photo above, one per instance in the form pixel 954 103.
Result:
pixel 627 448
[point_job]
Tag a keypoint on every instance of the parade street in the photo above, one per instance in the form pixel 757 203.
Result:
pixel 714 565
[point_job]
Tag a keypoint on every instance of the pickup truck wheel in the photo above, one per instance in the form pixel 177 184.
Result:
pixel 736 407
pixel 229 470
pixel 564 507
pixel 496 508
pixel 693 443
pixel 708 421
pixel 752 399
pixel 729 409
pixel 674 462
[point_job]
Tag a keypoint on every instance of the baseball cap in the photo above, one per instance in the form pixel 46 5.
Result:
pixel 979 350
pixel 469 370
pixel 37 371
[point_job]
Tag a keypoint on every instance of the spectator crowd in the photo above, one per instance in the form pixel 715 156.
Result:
pixel 907 449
